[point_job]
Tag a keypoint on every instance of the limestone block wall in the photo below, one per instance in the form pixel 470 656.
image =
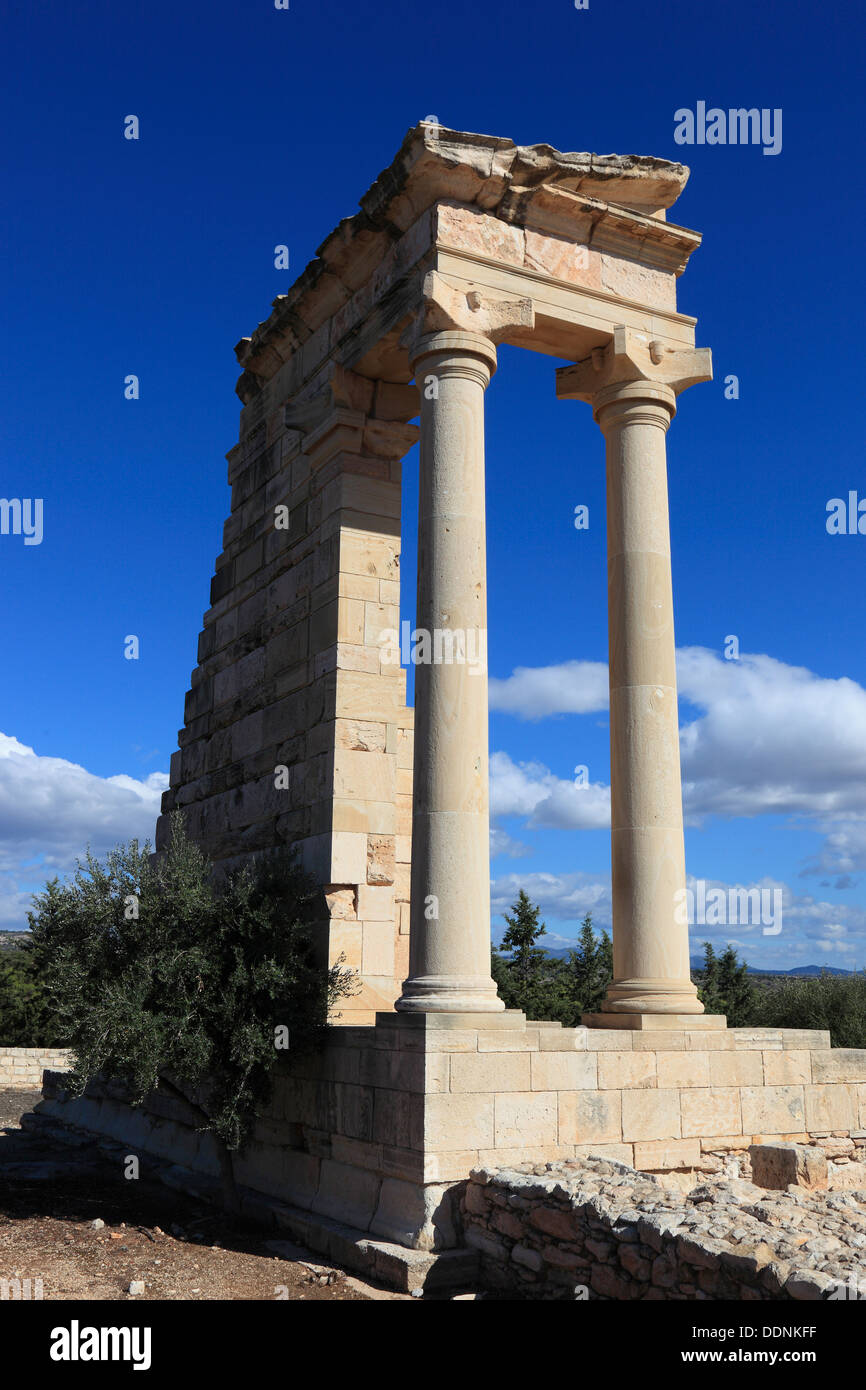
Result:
pixel 658 1101
pixel 21 1068
pixel 297 731
pixel 342 1138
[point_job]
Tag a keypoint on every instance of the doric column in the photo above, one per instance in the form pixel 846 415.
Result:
pixel 632 385
pixel 449 940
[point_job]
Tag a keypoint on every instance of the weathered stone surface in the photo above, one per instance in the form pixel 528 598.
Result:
pixel 563 1071
pixel 777 1165
pixel 651 1114
pixel 490 1072
pixel 523 1113
pixel 673 1153
pixel 590 1117
pixel 21 1068
pixel 840 1064
pixel 627 1237
pixel 830 1107
pixel 619 1070
pixel 771 1110
pixel 711 1110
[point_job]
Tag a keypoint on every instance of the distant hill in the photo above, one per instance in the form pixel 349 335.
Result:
pixel 13 940
pixel 801 970
pixel 697 963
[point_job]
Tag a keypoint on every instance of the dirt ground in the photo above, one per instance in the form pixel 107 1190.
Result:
pixel 68 1219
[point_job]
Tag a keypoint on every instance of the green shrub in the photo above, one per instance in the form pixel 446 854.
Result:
pixel 833 1002
pixel 26 1017
pixel 162 978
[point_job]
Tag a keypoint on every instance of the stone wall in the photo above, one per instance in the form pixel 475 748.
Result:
pixel 596 1229
pixel 341 1139
pixel 337 1163
pixel 21 1068
pixel 297 731
pixel 501 1090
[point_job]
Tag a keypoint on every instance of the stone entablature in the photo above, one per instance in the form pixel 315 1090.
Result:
pixel 525 208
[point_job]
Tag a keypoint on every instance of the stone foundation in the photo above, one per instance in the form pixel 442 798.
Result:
pixel 381 1130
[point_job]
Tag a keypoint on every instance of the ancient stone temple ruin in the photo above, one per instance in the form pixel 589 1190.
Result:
pixel 297 730
pixel 466 242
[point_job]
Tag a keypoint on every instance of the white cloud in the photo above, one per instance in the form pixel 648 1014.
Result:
pixel 575 687
pixel 812 930
pixel 51 809
pixel 567 897
pixel 843 851
pixel 547 801
pixel 771 738
pixel 768 738
pixel 503 843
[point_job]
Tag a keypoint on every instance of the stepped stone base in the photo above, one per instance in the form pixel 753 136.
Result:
pixel 381 1130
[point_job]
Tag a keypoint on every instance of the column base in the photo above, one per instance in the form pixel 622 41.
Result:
pixel 645 995
pixel 642 1022
pixel 449 994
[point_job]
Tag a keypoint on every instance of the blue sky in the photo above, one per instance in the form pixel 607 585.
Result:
pixel 154 257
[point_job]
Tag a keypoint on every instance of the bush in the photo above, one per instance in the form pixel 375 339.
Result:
pixel 26 1018
pixel 161 978
pixel 834 1002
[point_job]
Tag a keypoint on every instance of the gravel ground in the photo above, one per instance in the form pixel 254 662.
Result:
pixel 87 1233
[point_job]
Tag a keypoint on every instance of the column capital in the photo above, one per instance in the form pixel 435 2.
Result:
pixel 463 320
pixel 634 367
pixel 457 354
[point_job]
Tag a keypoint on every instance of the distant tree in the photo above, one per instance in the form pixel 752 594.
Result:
pixel 724 986
pixel 589 969
pixel 165 981
pixel 735 989
pixel 523 930
pixel 707 981
pixel 26 1018
pixel 541 985
pixel 833 1003
pixel 523 976
pixel 605 960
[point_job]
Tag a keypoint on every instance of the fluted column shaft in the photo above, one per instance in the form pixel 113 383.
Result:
pixel 449 961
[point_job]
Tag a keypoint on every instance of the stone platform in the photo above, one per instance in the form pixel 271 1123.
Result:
pixel 381 1130
pixel 500 1090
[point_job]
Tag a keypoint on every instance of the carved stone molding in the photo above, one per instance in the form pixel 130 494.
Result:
pixel 632 357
